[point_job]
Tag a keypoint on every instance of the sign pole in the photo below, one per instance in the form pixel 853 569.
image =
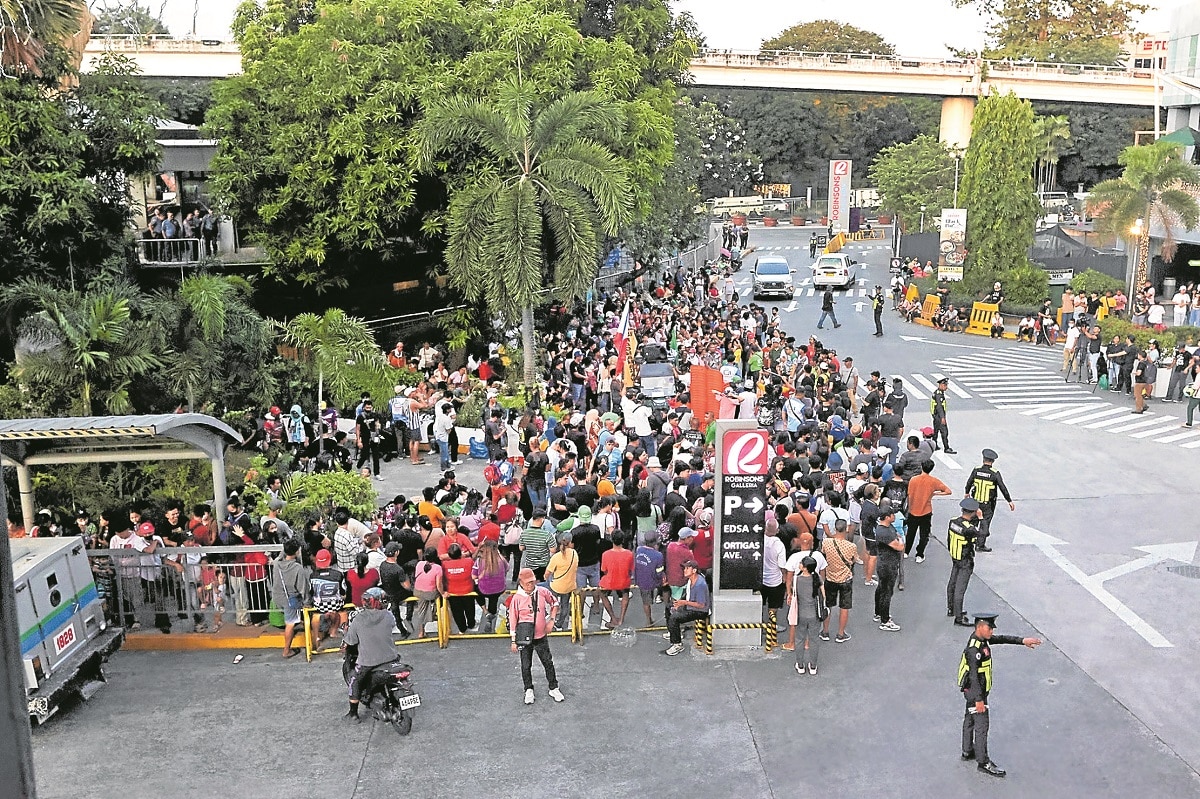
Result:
pixel 743 460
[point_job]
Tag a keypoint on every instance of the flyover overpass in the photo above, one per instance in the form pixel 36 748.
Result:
pixel 959 82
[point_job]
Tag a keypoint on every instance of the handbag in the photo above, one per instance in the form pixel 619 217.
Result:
pixel 822 607
pixel 525 629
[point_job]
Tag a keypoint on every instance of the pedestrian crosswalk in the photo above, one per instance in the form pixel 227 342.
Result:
pixel 1027 381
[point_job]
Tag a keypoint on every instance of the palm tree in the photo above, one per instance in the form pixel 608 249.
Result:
pixel 529 215
pixel 86 346
pixel 1052 137
pixel 28 27
pixel 1151 190
pixel 330 344
pixel 209 314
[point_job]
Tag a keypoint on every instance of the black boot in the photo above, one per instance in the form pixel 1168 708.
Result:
pixel 991 768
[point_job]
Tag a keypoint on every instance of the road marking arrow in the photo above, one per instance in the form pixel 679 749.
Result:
pixel 858 306
pixel 862 281
pixel 1155 553
pixel 942 343
pixel 791 306
pixel 1047 543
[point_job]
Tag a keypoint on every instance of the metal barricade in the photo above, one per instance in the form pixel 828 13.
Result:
pixel 185 589
pixel 172 252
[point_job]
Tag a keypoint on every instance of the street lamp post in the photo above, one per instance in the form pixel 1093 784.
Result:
pixel 956 156
pixel 922 219
pixel 1134 256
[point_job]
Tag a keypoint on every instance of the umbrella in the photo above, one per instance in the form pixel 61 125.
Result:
pixel 1188 137
pixel 725 253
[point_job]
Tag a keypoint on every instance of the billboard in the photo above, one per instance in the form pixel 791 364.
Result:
pixel 839 195
pixel 952 249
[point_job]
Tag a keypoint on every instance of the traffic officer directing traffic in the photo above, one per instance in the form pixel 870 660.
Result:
pixel 937 409
pixel 983 485
pixel 960 539
pixel 975 681
pixel 877 307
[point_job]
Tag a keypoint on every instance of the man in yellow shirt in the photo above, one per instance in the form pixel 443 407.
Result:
pixel 560 575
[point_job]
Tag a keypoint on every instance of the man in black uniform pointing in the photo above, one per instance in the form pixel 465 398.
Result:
pixel 983 485
pixel 975 681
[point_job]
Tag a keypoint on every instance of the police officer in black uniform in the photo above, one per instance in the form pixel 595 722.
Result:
pixel 960 539
pixel 812 246
pixel 975 681
pixel 877 307
pixel 983 485
pixel 937 409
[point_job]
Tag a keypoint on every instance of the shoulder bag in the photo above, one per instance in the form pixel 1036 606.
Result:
pixel 525 629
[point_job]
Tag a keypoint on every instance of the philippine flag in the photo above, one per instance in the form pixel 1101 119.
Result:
pixel 621 339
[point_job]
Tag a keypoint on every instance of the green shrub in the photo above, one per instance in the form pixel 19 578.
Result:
pixel 1090 280
pixel 1025 284
pixel 318 494
pixel 1141 335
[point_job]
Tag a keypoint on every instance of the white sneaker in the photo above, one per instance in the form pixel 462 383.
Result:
pixel 557 695
pixel 890 626
pixel 529 697
pixel 812 669
pixel 920 558
pixel 674 649
pixel 666 636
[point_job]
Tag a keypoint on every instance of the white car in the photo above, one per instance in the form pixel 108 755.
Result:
pixel 773 277
pixel 834 270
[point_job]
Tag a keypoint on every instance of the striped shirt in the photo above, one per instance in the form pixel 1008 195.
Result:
pixel 536 541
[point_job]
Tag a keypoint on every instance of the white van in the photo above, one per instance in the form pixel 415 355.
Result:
pixel 725 207
pixel 773 277
pixel 834 269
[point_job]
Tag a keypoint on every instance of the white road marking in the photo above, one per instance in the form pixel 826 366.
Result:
pixel 930 387
pixel 1135 425
pixel 946 460
pixel 1110 411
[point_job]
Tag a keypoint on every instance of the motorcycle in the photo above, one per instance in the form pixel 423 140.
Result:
pixel 388 694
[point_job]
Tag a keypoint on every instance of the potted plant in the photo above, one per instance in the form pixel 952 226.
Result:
pixel 798 215
pixel 771 218
pixel 738 219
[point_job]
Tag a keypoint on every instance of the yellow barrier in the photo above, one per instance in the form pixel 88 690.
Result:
pixel 770 632
pixel 306 615
pixel 866 235
pixel 928 308
pixel 981 318
pixel 835 244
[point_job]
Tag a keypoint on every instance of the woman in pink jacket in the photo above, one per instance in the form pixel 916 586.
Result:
pixel 534 603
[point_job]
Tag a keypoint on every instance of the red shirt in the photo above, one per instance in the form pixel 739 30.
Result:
pixel 702 548
pixel 616 569
pixel 458 575
pixel 358 585
pixel 489 531
pixel 443 546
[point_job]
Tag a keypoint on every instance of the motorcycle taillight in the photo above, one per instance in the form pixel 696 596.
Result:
pixel 401 675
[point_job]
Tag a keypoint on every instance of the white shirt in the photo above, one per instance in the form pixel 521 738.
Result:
pixel 636 416
pixel 793 563
pixel 1155 315
pixel 746 402
pixel 774 559
pixel 1072 337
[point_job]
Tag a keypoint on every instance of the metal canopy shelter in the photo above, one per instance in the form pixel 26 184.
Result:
pixel 94 439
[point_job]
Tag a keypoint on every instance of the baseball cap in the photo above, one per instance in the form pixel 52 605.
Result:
pixel 323 558
pixel 391 549
pixel 686 532
pixel 585 514
pixel 145 528
pixel 692 564
pixel 862 468
pixel 276 504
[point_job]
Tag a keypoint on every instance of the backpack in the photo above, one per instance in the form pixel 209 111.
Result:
pixel 491 474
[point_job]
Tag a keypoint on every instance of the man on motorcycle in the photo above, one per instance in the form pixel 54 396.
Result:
pixel 371 631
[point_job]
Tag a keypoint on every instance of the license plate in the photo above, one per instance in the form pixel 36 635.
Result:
pixel 410 701
pixel 828 273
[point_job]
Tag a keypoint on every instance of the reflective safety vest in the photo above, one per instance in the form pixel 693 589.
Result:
pixel 983 486
pixel 960 538
pixel 978 651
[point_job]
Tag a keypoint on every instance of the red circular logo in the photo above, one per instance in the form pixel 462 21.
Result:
pixel 746 452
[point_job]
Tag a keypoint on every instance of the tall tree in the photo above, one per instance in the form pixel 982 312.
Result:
pixel 318 156
pixel 727 165
pixel 30 28
pixel 997 189
pixel 64 157
pixel 913 175
pixel 1058 30
pixel 128 19
pixel 829 36
pixel 1051 139
pixel 532 211
pixel 332 347
pixel 1157 188
pixel 83 344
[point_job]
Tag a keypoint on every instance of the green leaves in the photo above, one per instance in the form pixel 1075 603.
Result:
pixel 914 174
pixel 330 344
pixel 828 36
pixel 997 189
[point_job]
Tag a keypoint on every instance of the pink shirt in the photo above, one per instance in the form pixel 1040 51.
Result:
pixel 520 609
pixel 427 580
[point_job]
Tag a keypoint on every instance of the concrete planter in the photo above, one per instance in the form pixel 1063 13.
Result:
pixel 770 221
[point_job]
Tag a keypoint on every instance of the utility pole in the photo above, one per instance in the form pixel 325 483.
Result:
pixel 16 756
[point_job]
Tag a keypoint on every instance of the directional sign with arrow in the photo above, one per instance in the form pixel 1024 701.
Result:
pixel 1094 584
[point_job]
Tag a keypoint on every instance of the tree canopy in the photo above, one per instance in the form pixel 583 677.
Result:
pixel 914 174
pixel 131 19
pixel 1057 30
pixel 829 36
pixel 997 189
pixel 318 155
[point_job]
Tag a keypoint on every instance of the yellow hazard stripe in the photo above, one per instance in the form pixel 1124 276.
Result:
pixel 102 432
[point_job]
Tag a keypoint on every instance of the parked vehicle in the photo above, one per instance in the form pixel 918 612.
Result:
pixel 835 270
pixel 65 638
pixel 773 277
